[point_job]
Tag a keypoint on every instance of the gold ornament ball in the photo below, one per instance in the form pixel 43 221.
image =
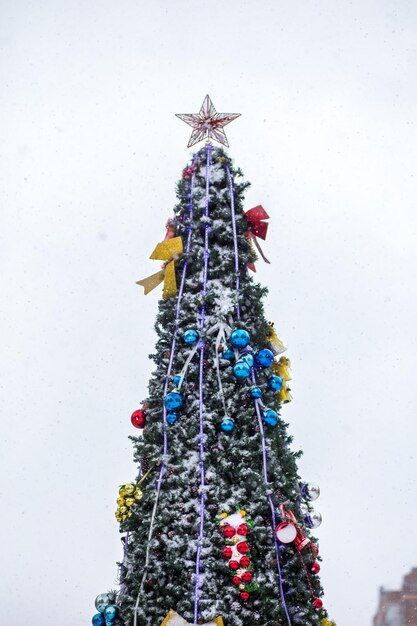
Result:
pixel 130 489
pixel 130 502
pixel 123 510
pixel 241 586
pixel 138 495
pixel 235 539
pixel 120 501
pixel 122 491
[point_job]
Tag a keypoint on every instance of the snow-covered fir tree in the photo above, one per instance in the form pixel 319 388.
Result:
pixel 217 523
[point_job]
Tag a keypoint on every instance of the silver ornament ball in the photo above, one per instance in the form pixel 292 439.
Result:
pixel 310 491
pixel 103 600
pixel 313 519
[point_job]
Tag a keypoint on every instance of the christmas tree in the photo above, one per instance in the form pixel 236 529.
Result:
pixel 217 524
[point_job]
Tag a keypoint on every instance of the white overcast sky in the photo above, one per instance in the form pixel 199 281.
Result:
pixel 90 154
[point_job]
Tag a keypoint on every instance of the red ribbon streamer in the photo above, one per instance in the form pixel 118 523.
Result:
pixel 301 541
pixel 257 228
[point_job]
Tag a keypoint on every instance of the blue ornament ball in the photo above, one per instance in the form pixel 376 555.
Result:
pixel 248 358
pixel 264 358
pixel 172 418
pixel 176 380
pixel 241 370
pixel 227 424
pixel 98 619
pixel 275 383
pixel 228 354
pixel 256 392
pixel 173 400
pixel 270 417
pixel 239 338
pixel 103 600
pixel 110 613
pixel 191 336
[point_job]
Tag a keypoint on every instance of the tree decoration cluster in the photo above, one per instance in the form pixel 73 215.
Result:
pixel 245 360
pixel 235 529
pixel 129 495
pixel 107 610
pixel 211 430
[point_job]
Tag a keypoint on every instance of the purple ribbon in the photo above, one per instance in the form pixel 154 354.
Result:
pixel 200 391
pixel 178 307
pixel 258 413
pixel 123 566
pixel 271 504
pixel 175 333
pixel 167 379
pixel 232 210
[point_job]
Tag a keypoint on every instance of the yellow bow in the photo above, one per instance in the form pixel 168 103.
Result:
pixel 168 250
pixel 282 369
pixel 173 617
pixel 274 340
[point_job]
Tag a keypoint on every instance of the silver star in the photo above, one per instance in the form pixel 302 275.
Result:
pixel 207 123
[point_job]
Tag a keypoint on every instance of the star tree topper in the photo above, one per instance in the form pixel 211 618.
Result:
pixel 207 123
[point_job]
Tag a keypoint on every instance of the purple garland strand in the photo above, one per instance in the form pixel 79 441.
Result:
pixel 123 567
pixel 171 359
pixel 232 210
pixel 261 428
pixel 178 307
pixel 271 504
pixel 200 391
pixel 174 338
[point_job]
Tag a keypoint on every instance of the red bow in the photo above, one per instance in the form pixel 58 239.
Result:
pixel 257 228
pixel 188 172
pixel 170 230
pixel 301 541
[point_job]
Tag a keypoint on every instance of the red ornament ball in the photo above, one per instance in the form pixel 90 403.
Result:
pixel 318 604
pixel 227 552
pixel 236 580
pixel 246 577
pixel 244 595
pixel 315 568
pixel 242 547
pixel 245 561
pixel 229 531
pixel 233 565
pixel 242 529
pixel 138 418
